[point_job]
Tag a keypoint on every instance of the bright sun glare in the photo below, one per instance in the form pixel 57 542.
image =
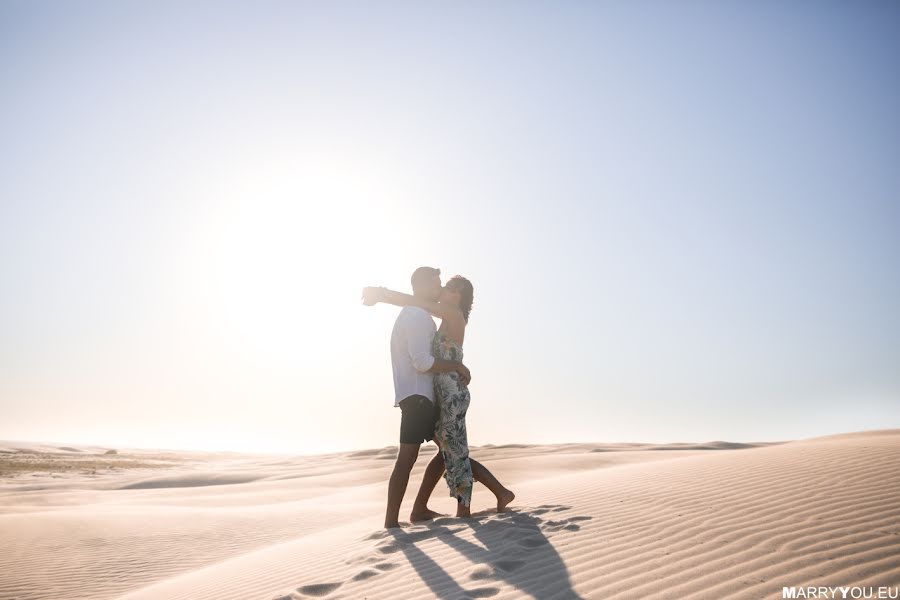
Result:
pixel 285 248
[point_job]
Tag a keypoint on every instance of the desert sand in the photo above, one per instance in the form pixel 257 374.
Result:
pixel 607 521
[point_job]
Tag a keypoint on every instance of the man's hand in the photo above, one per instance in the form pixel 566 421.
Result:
pixel 464 374
pixel 371 295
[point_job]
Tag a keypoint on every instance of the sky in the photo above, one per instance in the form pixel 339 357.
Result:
pixel 680 219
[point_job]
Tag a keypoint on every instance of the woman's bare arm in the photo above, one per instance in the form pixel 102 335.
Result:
pixel 371 295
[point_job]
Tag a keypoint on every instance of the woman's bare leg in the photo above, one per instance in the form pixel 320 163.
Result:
pixel 482 475
pixel 479 472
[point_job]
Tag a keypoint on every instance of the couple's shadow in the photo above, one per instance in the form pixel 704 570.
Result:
pixel 514 549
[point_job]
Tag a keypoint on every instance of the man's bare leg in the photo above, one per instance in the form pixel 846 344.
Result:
pixel 433 472
pixel 406 458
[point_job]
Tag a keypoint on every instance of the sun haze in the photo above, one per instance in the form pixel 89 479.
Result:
pixel 680 225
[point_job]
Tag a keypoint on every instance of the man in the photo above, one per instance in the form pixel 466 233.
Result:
pixel 413 366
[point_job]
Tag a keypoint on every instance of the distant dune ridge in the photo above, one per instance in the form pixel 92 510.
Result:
pixel 608 521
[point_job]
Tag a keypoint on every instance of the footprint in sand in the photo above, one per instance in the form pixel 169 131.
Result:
pixel 545 508
pixel 508 566
pixel 482 592
pixel 392 546
pixel 363 575
pixel 567 524
pixel 319 589
pixel 533 541
pixel 369 573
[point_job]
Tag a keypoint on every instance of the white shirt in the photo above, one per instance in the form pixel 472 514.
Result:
pixel 411 353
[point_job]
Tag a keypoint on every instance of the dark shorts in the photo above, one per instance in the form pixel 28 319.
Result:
pixel 419 418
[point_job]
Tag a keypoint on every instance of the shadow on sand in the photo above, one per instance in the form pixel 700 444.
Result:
pixel 514 549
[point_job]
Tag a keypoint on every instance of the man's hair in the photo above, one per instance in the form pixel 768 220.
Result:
pixel 423 275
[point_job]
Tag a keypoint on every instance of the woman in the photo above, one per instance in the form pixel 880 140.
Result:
pixel 450 391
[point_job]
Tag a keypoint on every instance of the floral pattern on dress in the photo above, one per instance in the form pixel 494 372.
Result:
pixel 452 397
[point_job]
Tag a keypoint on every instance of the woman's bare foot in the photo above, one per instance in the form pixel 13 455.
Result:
pixel 424 515
pixel 504 499
pixel 463 511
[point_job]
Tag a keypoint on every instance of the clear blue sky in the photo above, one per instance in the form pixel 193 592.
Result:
pixel 681 219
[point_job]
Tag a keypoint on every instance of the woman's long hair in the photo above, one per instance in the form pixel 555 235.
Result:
pixel 466 294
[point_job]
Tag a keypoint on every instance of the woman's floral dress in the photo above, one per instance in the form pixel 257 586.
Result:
pixel 452 397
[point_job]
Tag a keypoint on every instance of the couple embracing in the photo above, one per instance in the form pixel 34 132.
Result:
pixel 431 389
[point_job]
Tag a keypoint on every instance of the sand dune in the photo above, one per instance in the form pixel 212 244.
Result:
pixel 694 520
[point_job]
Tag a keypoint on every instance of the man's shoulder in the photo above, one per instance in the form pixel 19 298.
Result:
pixel 414 317
pixel 408 315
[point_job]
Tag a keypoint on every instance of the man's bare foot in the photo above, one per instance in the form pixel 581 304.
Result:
pixel 425 515
pixel 504 499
